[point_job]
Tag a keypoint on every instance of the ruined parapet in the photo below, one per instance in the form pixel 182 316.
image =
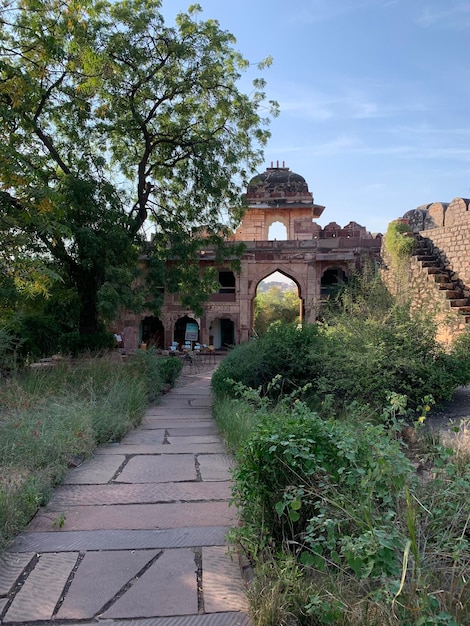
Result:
pixel 439 278
pixel 457 213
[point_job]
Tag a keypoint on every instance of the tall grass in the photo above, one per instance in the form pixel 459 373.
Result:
pixel 50 420
pixel 340 525
pixel 344 522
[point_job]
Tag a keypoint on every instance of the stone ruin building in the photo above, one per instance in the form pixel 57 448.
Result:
pixel 317 259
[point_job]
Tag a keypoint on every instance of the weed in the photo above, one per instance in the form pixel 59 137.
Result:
pixel 59 521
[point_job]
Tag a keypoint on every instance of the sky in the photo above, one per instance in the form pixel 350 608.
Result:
pixel 374 97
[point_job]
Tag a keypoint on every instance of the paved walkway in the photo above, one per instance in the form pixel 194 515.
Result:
pixel 144 537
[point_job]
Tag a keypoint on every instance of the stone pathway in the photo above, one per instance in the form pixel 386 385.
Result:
pixel 143 541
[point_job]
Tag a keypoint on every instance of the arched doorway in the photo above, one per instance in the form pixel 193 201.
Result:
pixel 152 332
pixel 186 329
pixel 277 299
pixel 222 332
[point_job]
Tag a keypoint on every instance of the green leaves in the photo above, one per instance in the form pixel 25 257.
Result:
pixel 94 92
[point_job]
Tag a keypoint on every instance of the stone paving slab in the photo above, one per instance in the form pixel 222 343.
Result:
pixel 141 516
pixel 193 440
pixel 32 602
pixel 97 470
pixel 168 587
pixel 11 567
pixel 81 495
pixel 218 619
pixel 214 466
pixel 144 435
pixel 177 424
pixel 3 603
pixel 194 430
pixel 190 401
pixel 80 540
pixel 114 570
pixel 158 469
pixel 223 588
pixel 175 448
pixel 184 412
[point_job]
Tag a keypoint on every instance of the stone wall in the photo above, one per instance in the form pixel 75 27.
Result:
pixel 445 229
pixel 448 227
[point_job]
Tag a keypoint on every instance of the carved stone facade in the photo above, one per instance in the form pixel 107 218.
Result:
pixel 315 258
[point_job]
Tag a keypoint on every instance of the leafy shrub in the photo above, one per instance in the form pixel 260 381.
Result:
pixel 285 349
pixel 399 242
pixel 459 358
pixel 170 369
pixel 156 370
pixel 354 358
pixel 36 335
pixel 364 360
pixel 313 484
pixel 339 509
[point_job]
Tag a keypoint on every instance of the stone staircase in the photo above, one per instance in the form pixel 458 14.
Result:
pixel 456 293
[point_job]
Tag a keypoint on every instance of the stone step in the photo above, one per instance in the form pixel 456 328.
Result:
pixel 433 270
pixel 459 303
pixel 442 277
pixel 464 310
pixel 446 286
pixel 426 257
pixel 454 295
pixel 431 264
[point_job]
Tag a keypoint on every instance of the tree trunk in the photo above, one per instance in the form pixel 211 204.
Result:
pixel 87 284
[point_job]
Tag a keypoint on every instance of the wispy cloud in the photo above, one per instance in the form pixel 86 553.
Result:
pixel 370 102
pixel 454 15
pixel 355 145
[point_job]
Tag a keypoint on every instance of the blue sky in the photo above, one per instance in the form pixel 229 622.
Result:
pixel 374 97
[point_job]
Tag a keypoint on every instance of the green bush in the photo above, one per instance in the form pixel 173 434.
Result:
pixel 299 474
pixel 399 241
pixel 459 358
pixel 364 360
pixel 170 369
pixel 287 350
pixel 338 508
pixel 36 335
pixel 353 358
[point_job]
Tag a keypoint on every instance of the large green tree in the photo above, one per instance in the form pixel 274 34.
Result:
pixel 110 119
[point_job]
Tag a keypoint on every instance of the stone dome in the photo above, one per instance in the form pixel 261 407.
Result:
pixel 280 185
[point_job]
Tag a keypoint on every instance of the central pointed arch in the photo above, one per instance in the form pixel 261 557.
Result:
pixel 277 297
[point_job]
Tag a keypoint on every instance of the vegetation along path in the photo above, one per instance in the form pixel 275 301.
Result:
pixel 137 534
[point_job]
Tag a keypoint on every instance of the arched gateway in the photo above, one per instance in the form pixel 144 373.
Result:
pixel 313 257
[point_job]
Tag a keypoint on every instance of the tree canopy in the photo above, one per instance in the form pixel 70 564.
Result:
pixel 109 119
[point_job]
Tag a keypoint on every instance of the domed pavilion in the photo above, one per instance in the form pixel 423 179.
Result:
pixel 279 195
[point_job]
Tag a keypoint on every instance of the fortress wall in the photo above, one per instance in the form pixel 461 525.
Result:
pixel 452 239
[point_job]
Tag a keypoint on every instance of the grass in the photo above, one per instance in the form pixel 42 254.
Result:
pixel 404 562
pixel 51 420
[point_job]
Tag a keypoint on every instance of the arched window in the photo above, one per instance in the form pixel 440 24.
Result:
pixel 278 231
